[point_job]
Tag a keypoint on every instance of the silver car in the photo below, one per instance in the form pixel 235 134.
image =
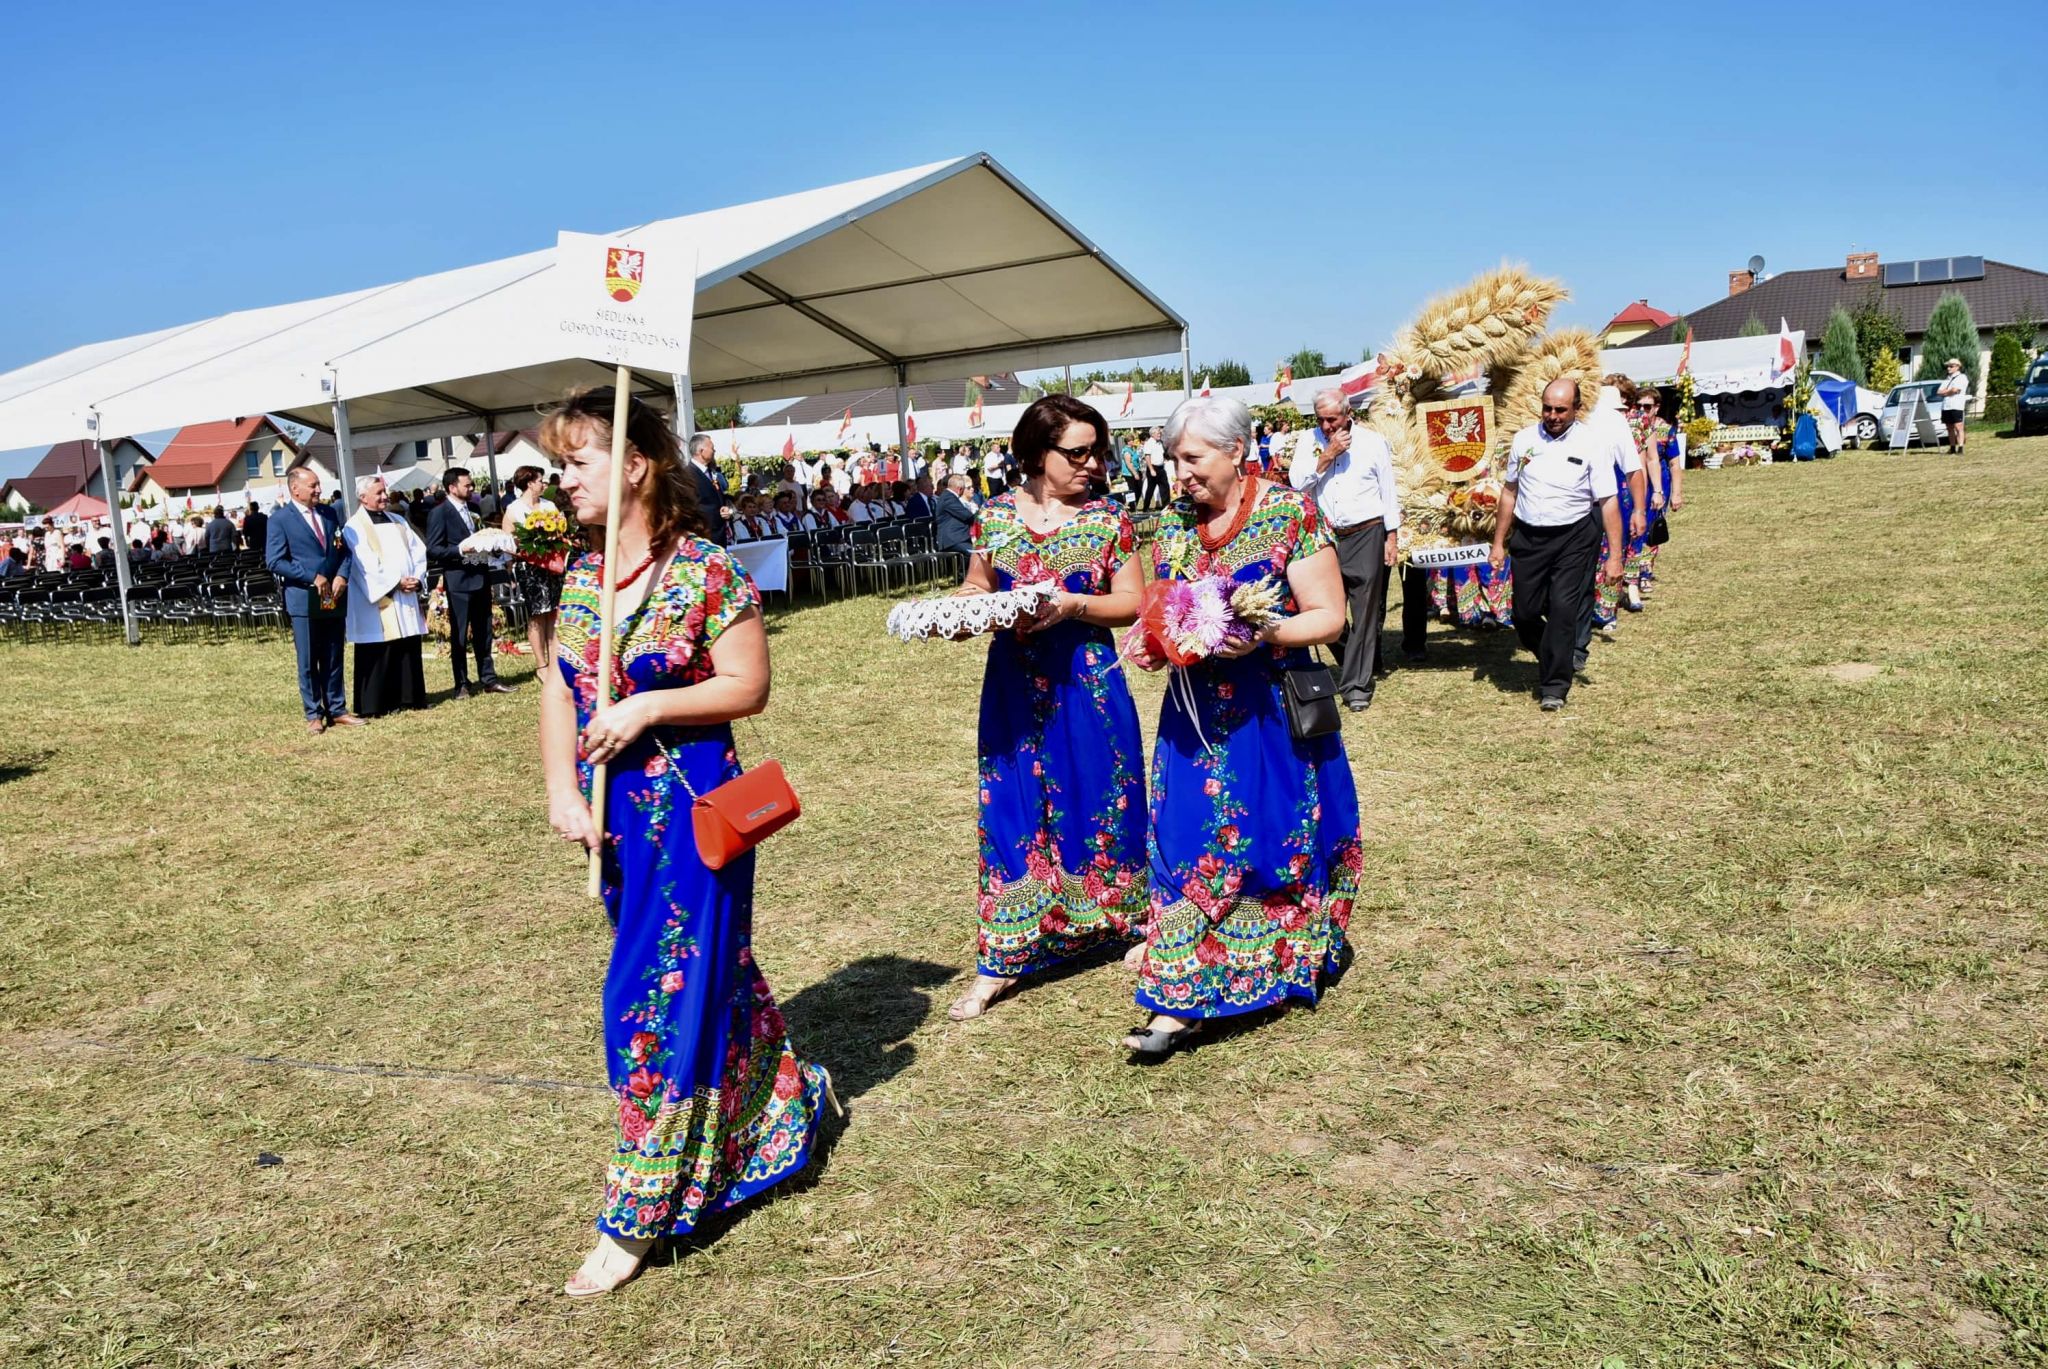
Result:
pixel 1930 404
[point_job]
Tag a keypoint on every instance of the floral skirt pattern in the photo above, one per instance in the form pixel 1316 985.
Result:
pixel 713 1104
pixel 1256 847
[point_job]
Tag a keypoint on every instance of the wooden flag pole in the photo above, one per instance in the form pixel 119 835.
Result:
pixel 607 612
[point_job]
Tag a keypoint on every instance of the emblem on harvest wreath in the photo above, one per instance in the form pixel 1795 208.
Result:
pixel 624 269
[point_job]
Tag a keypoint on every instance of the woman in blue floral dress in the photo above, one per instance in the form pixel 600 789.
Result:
pixel 1256 843
pixel 713 1104
pixel 1062 866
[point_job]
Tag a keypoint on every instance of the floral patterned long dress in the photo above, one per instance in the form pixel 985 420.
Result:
pixel 1607 597
pixel 713 1104
pixel 1256 843
pixel 1062 864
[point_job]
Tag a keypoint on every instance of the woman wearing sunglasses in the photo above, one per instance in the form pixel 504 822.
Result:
pixel 1062 863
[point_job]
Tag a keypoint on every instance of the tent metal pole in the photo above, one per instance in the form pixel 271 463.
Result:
pixel 1068 373
pixel 686 408
pixel 345 457
pixel 490 454
pixel 902 431
pixel 118 526
pixel 1187 368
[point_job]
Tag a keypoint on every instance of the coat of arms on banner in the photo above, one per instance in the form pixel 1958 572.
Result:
pixel 624 268
pixel 1457 434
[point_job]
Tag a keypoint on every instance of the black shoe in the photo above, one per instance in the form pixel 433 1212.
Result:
pixel 1579 659
pixel 495 688
pixel 461 692
pixel 1552 704
pixel 1358 703
pixel 1413 657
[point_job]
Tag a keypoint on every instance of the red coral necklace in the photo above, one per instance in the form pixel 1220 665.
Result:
pixel 1247 495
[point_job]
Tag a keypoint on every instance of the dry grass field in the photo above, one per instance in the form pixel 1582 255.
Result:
pixel 1698 1025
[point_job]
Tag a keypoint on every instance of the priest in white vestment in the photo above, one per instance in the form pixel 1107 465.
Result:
pixel 387 575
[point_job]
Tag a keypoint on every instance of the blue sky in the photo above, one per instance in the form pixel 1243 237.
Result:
pixel 1282 174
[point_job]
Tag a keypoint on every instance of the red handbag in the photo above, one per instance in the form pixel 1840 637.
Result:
pixel 740 814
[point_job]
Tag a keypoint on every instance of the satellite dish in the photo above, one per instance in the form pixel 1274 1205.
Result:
pixel 1756 266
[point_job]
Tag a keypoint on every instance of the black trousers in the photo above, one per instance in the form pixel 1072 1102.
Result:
pixel 1415 609
pixel 1156 495
pixel 1362 560
pixel 469 628
pixel 1553 583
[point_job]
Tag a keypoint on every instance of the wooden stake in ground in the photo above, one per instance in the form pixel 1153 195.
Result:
pixel 607 614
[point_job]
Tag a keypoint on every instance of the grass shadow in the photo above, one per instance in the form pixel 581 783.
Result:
pixel 20 767
pixel 1491 655
pixel 856 1020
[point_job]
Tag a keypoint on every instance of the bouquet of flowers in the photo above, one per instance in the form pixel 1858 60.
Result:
pixel 1184 621
pixel 543 539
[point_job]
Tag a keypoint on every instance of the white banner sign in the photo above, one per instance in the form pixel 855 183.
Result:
pixel 1442 558
pixel 627 304
pixel 766 561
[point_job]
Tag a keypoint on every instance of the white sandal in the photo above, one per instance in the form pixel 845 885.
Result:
pixel 608 1277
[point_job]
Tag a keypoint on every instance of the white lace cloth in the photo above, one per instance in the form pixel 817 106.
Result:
pixel 974 614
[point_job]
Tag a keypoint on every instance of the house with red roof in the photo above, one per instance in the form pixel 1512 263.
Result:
pixel 231 463
pixel 70 469
pixel 1638 320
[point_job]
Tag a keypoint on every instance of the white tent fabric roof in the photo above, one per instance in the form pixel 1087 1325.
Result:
pixel 936 271
pixel 1723 366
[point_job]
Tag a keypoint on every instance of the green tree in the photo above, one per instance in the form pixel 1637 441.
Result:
pixel 1227 372
pixel 1879 335
pixel 1838 348
pixel 1753 327
pixel 718 417
pixel 1678 327
pixel 1309 361
pixel 2008 364
pixel 1951 332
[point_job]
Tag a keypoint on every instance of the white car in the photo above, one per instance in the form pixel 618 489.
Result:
pixel 1930 404
pixel 1864 425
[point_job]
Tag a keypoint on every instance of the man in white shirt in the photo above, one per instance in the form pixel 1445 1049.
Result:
pixel 1349 471
pixel 1154 453
pixel 1558 499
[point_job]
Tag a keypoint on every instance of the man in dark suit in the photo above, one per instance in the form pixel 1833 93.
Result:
pixel 956 517
pixel 303 548
pixel 467 586
pixel 920 504
pixel 255 527
pixel 220 534
pixel 711 499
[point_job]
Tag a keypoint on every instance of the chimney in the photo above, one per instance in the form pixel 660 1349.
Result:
pixel 1739 281
pixel 1862 266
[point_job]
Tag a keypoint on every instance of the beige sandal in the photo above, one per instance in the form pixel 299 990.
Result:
pixel 612 1264
pixel 980 998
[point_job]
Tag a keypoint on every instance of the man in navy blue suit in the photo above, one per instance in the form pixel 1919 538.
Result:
pixel 303 548
pixel 467 586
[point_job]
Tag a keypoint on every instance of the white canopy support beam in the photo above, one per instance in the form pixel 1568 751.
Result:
pixel 902 427
pixel 1187 368
pixel 117 524
pixel 345 457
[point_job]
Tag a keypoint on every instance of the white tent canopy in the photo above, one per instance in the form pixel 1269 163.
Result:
pixel 931 273
pixel 1724 366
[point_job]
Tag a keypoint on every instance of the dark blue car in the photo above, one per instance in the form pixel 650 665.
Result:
pixel 2031 414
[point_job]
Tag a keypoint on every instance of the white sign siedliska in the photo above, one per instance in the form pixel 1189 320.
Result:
pixel 1442 558
pixel 627 302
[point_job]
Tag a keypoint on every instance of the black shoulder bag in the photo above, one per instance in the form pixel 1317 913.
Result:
pixel 1311 693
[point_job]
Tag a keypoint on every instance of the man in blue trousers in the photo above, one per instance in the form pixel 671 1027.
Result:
pixel 304 550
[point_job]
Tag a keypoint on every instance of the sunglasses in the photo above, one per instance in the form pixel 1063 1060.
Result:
pixel 1076 456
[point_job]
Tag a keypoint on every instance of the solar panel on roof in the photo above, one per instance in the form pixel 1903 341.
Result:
pixel 1966 268
pixel 1899 272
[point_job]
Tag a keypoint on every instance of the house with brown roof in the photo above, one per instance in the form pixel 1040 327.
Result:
pixel 1999 295
pixel 230 462
pixel 1637 320
pixel 73 468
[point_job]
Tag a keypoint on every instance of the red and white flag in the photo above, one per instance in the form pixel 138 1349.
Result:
pixel 732 439
pixel 909 420
pixel 845 424
pixel 1359 378
pixel 1280 384
pixel 1788 356
pixel 1130 388
pixel 1205 387
pixel 1685 357
pixel 788 440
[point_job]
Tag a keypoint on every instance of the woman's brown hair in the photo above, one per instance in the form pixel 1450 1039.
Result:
pixel 1041 425
pixel 671 497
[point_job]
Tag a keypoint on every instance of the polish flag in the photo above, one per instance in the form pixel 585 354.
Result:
pixel 909 420
pixel 1205 387
pixel 732 439
pixel 1685 357
pixel 1280 385
pixel 1788 356
pixel 1129 389
pixel 788 440
pixel 845 424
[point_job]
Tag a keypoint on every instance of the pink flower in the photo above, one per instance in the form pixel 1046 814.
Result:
pixel 1123 802
pixel 1212 786
pixel 1228 836
pixel 634 1124
pixel 656 767
pixel 1210 951
pixel 672 982
pixel 641 1044
pixel 640 1083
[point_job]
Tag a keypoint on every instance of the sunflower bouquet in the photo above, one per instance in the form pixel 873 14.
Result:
pixel 543 539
